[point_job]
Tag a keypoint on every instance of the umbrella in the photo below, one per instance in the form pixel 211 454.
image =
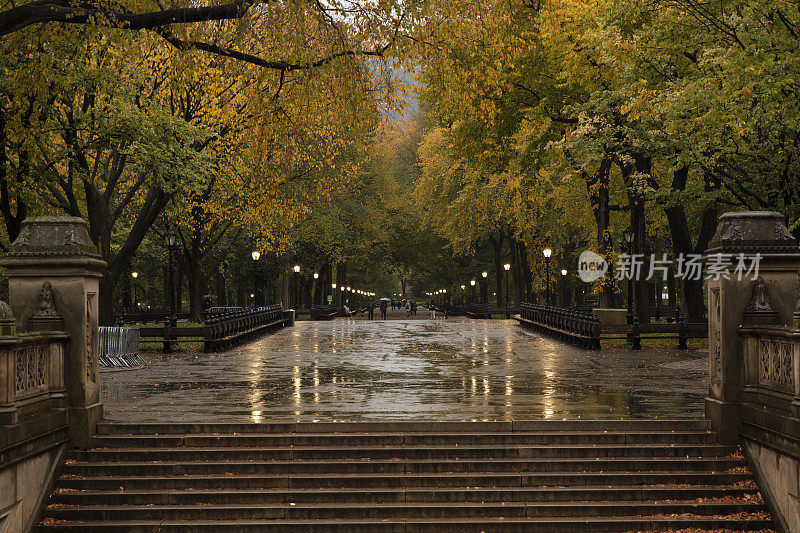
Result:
pixel 385 300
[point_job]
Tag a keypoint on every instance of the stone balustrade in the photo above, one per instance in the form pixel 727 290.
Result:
pixel 31 374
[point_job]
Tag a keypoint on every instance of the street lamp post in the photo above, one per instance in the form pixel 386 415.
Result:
pixel 628 236
pixel 564 287
pixel 471 290
pixel 547 253
pixel 315 289
pixel 171 320
pixel 134 275
pixel 256 255
pixel 296 290
pixel 507 268
pixel 485 289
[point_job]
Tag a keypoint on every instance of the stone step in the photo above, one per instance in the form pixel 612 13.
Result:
pixel 400 476
pixel 488 494
pixel 257 511
pixel 558 465
pixel 391 480
pixel 496 525
pixel 167 495
pixel 107 428
pixel 398 439
pixel 221 453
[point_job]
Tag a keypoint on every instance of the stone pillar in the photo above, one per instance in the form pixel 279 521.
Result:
pixel 729 300
pixel 54 272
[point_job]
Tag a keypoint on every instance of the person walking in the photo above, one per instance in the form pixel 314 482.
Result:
pixel 414 308
pixel 408 308
pixel 383 309
pixel 371 310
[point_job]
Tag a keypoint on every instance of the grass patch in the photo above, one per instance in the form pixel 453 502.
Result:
pixel 655 342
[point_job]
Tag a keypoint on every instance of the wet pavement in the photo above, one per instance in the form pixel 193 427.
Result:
pixel 447 369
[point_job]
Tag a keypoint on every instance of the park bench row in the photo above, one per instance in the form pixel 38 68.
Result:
pixel 323 312
pixel 222 329
pixel 584 328
pixel 226 329
pixel 568 324
pixel 479 311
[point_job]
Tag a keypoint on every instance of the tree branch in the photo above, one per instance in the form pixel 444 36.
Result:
pixel 67 12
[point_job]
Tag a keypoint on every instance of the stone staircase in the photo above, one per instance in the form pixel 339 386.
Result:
pixel 399 476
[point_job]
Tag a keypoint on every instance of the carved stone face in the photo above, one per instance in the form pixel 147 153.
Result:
pixel 46 305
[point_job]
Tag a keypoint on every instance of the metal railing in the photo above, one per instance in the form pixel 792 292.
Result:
pixel 119 347
pixel 567 324
pixel 223 330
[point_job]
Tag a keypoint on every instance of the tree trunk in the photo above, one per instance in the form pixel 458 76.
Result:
pixel 527 277
pixel 497 244
pixel 219 288
pixel 179 289
pixel 196 291
pixel 692 300
pixel 636 203
pixel 515 270
pixel 597 186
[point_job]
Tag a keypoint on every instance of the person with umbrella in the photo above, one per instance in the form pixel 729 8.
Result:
pixel 384 305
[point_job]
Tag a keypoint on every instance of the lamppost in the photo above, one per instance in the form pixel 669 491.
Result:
pixel 333 293
pixel 485 290
pixel 296 291
pixel 463 295
pixel 628 236
pixel 134 275
pixel 171 240
pixel 547 253
pixel 314 288
pixel 564 287
pixel 507 268
pixel 171 320
pixel 471 290
pixel 256 255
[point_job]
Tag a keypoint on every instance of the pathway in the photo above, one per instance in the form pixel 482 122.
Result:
pixel 453 369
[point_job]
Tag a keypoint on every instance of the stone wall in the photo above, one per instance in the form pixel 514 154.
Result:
pixel 781 473
pixel 24 486
pixel 754 354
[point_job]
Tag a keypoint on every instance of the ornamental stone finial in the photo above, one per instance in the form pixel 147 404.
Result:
pixel 53 241
pixel 744 231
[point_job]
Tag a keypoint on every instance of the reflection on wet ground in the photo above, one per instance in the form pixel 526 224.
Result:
pixel 453 369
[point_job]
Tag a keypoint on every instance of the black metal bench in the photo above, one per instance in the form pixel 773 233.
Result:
pixel 566 324
pixel 479 311
pixel 323 312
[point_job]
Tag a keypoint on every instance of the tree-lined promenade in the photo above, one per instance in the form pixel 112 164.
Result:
pixel 271 127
